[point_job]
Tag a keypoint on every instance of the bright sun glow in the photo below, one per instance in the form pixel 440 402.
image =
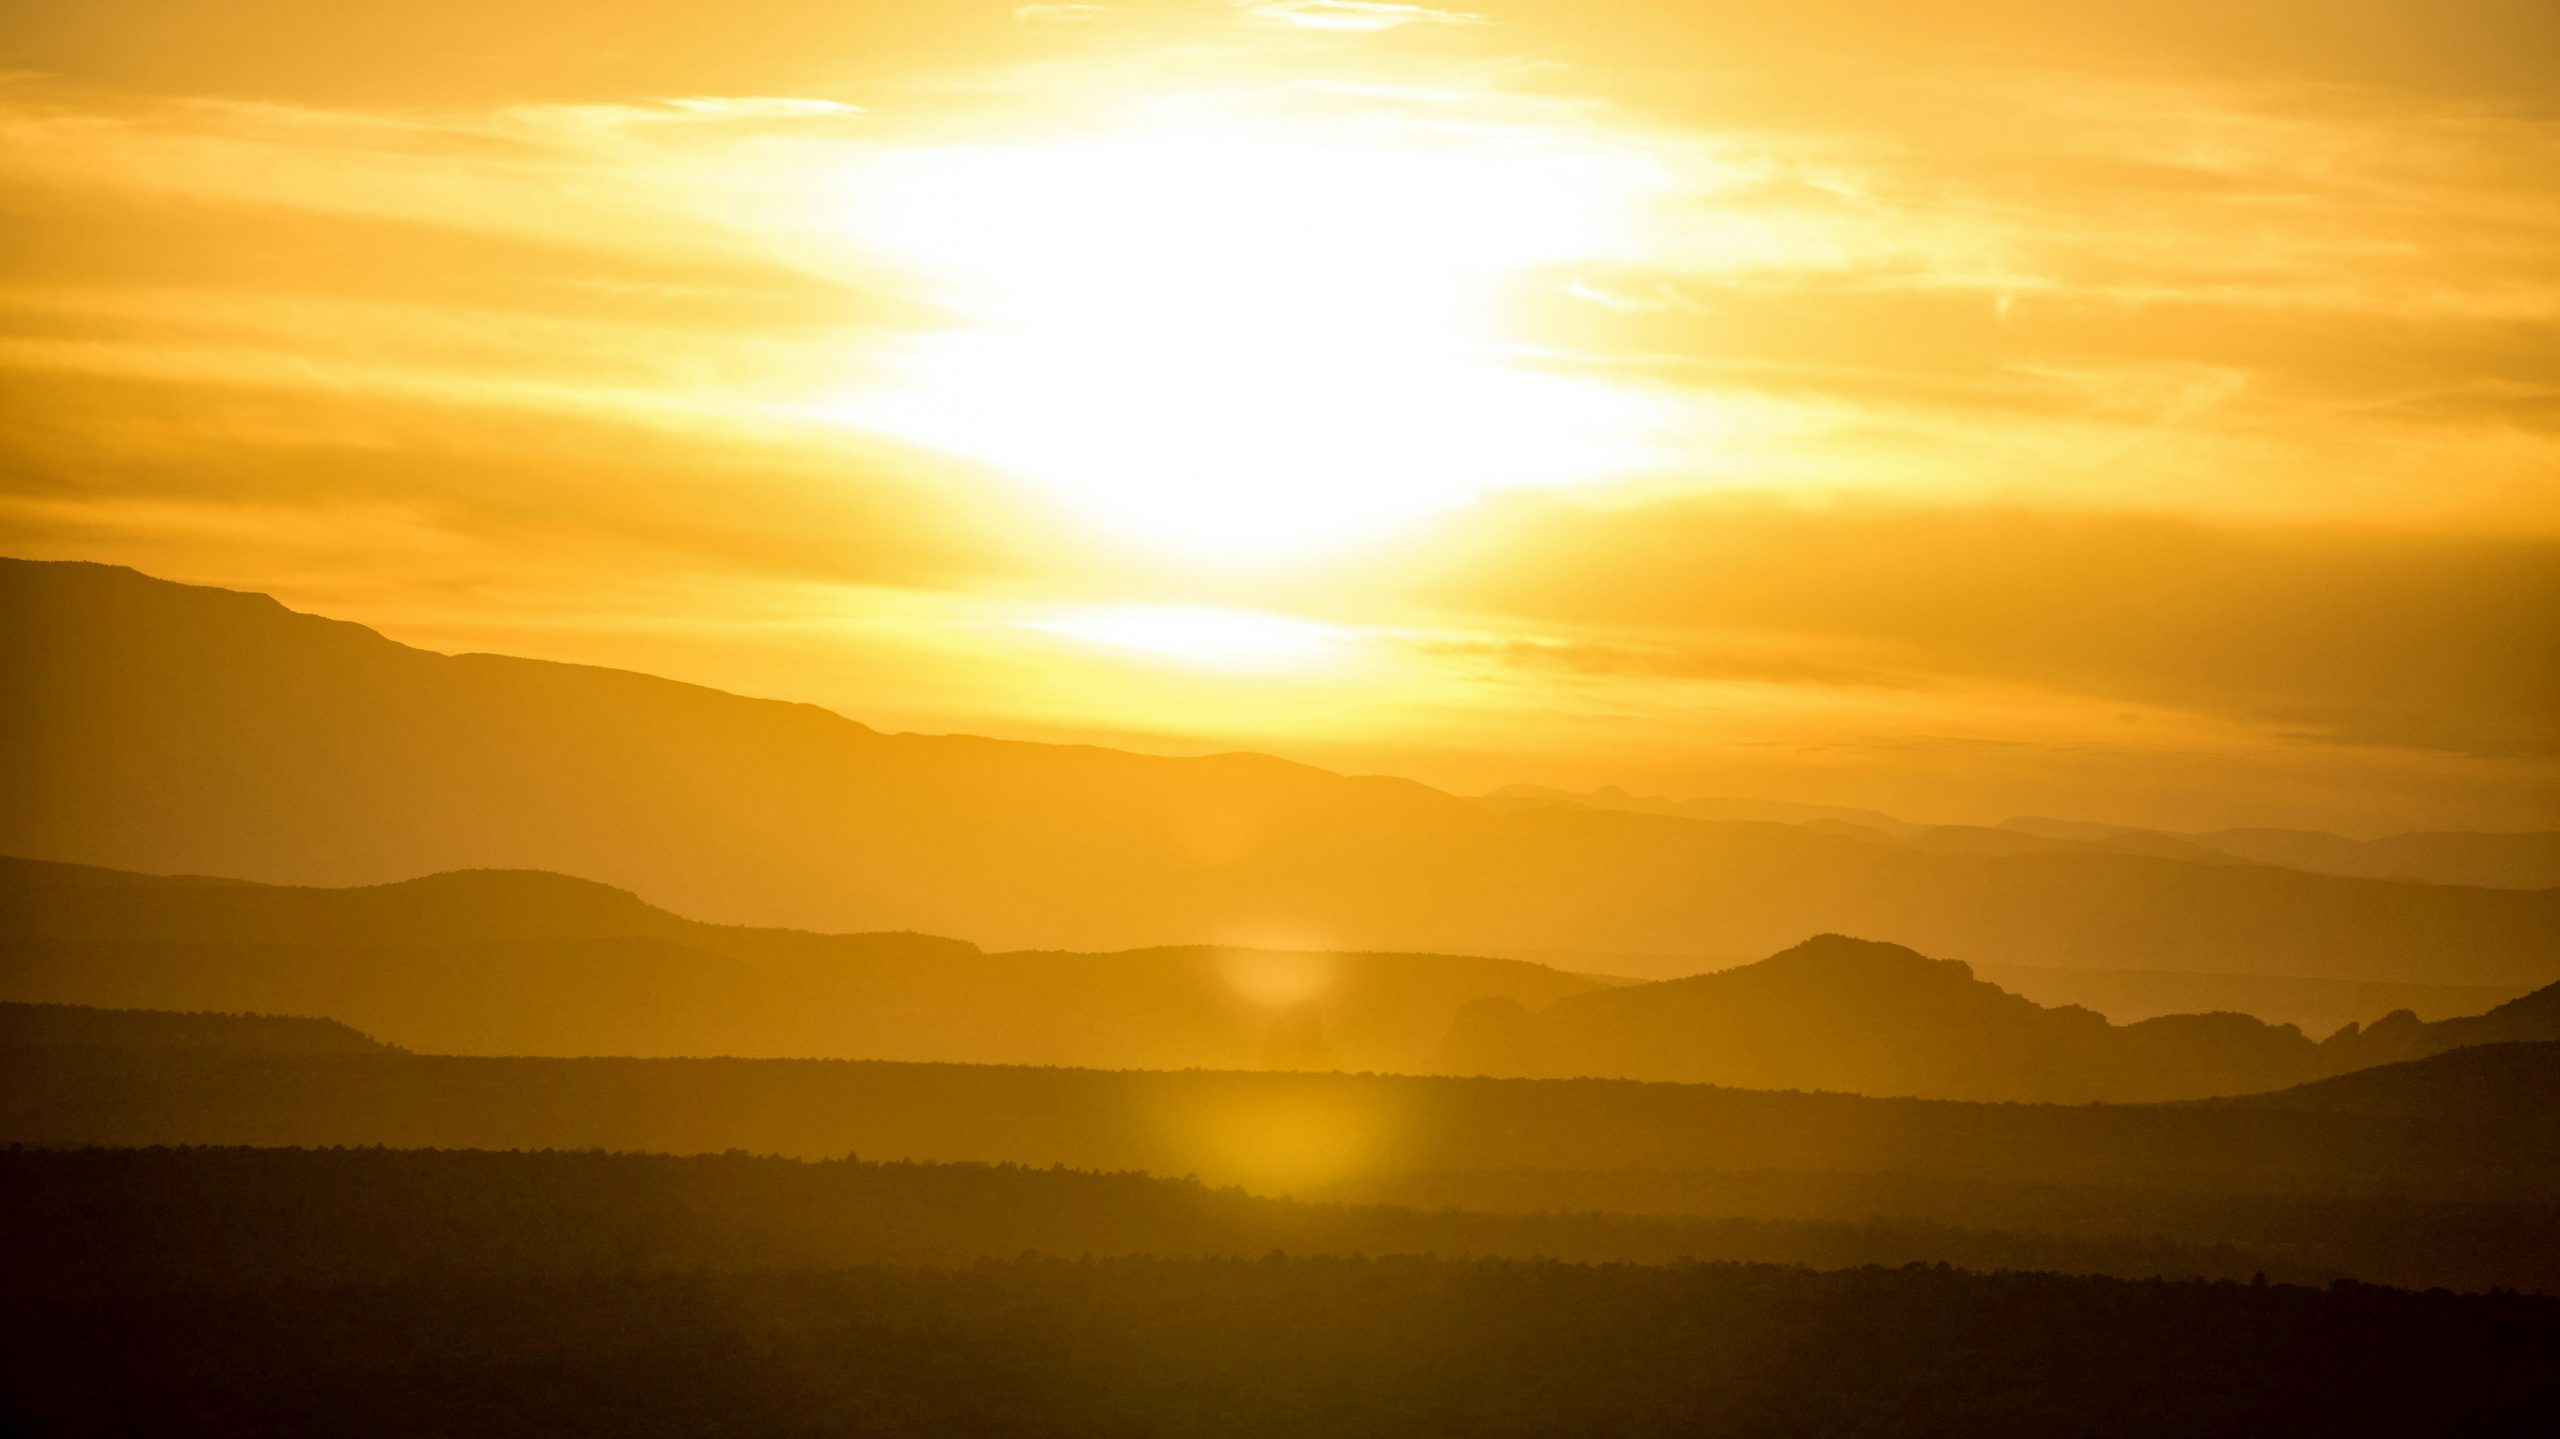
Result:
pixel 1199 635
pixel 1244 340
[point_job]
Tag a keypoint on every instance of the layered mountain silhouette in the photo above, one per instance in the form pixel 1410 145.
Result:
pixel 2511 1084
pixel 511 962
pixel 171 728
pixel 399 1293
pixel 2530 1019
pixel 2315 1005
pixel 2444 1128
pixel 2435 1172
pixel 75 1026
pixel 498 962
pixel 2527 860
pixel 1835 1013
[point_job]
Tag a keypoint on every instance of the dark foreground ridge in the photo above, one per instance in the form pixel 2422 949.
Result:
pixel 2444 1171
pixel 2469 1123
pixel 89 1221
pixel 1284 1347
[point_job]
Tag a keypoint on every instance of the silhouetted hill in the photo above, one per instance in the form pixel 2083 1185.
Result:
pixel 52 1026
pixel 2528 1019
pixel 1279 1132
pixel 40 900
pixel 2513 1084
pixel 510 962
pixel 2315 1006
pixel 169 728
pixel 2463 1198
pixel 515 962
pixel 2312 1003
pixel 1852 1015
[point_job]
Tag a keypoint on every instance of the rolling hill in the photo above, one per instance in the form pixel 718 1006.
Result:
pixel 2441 1171
pixel 1835 1013
pixel 2315 1006
pixel 170 728
pixel 1861 1017
pixel 510 962
pixel 1277 1132
pixel 500 962
pixel 74 1026
pixel 2513 1082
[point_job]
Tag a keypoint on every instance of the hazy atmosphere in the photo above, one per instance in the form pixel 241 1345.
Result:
pixel 1279 719
pixel 2142 413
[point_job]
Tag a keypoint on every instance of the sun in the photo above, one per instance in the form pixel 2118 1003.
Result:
pixel 1237 335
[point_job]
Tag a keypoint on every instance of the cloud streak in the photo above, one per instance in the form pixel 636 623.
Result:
pixel 2438 641
pixel 1838 378
pixel 1351 17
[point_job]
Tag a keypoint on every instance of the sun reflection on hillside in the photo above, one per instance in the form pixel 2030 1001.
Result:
pixel 1277 979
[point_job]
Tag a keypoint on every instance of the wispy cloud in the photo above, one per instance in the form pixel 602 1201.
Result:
pixel 758 107
pixel 1358 17
pixel 1786 665
pixel 252 290
pixel 2436 641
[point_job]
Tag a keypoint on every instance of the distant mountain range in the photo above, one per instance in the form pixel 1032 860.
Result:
pixel 169 728
pixel 513 962
pixel 2526 860
pixel 2315 1006
pixel 1861 1017
pixel 495 963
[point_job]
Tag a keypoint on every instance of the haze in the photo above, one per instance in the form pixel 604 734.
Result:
pixel 2139 413
pixel 1279 719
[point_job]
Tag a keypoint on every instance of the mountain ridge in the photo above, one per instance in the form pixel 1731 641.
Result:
pixel 503 962
pixel 525 962
pixel 1836 1013
pixel 175 732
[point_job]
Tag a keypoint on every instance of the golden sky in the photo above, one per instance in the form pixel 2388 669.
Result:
pixel 2144 412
